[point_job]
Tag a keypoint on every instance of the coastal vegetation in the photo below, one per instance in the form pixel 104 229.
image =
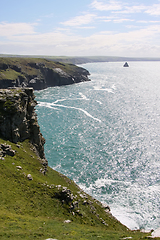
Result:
pixel 40 208
pixel 38 202
pixel 38 73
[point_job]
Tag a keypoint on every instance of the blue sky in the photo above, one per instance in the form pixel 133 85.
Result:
pixel 80 28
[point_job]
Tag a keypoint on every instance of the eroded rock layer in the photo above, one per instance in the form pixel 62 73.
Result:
pixel 18 120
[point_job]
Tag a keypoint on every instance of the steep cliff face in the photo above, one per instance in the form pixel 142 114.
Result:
pixel 38 73
pixel 18 120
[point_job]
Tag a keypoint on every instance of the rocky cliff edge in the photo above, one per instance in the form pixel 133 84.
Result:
pixel 18 120
pixel 39 73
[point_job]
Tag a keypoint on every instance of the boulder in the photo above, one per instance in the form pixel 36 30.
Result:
pixel 7 150
pixel 29 176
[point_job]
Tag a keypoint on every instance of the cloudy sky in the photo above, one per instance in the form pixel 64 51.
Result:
pixel 80 28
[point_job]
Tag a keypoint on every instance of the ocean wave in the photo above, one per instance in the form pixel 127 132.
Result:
pixel 98 88
pixel 116 155
pixel 53 105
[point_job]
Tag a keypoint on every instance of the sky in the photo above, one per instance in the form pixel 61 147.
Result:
pixel 80 28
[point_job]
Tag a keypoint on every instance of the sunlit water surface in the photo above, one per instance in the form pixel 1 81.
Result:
pixel 105 135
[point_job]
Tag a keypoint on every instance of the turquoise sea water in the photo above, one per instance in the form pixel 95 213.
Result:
pixel 105 135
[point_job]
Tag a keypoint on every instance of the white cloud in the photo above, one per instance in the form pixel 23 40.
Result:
pixel 133 43
pixel 80 20
pixel 126 8
pixel 89 27
pixel 112 5
pixel 123 20
pixel 13 29
pixel 133 9
pixel 154 10
pixel 144 41
pixel 117 19
pixel 147 21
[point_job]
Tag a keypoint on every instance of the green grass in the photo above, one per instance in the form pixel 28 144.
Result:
pixel 28 67
pixel 33 209
pixel 9 74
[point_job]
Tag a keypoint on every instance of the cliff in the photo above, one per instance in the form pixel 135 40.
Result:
pixel 39 73
pixel 36 201
pixel 18 120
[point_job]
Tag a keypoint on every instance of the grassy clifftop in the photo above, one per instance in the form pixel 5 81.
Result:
pixel 38 208
pixel 38 73
pixel 28 65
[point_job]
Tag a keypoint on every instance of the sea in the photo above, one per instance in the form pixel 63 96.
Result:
pixel 105 135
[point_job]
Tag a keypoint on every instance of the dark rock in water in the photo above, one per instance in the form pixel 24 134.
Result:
pixel 126 65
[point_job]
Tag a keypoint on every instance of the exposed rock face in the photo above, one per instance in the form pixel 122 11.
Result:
pixel 6 150
pixel 18 120
pixel 39 73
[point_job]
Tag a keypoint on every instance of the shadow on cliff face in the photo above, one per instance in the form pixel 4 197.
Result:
pixel 18 120
pixel 39 73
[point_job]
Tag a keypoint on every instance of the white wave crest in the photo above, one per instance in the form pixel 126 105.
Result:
pixel 80 109
pixel 109 90
pixel 102 182
pixel 83 96
pixel 53 105
pixel 99 102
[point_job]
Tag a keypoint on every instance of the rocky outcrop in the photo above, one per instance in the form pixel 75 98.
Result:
pixel 18 120
pixel 126 65
pixel 39 73
pixel 6 150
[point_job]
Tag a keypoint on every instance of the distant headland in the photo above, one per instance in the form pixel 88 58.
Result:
pixel 39 73
pixel 84 59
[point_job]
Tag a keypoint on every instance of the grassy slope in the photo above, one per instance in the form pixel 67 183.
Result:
pixel 27 69
pixel 30 209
